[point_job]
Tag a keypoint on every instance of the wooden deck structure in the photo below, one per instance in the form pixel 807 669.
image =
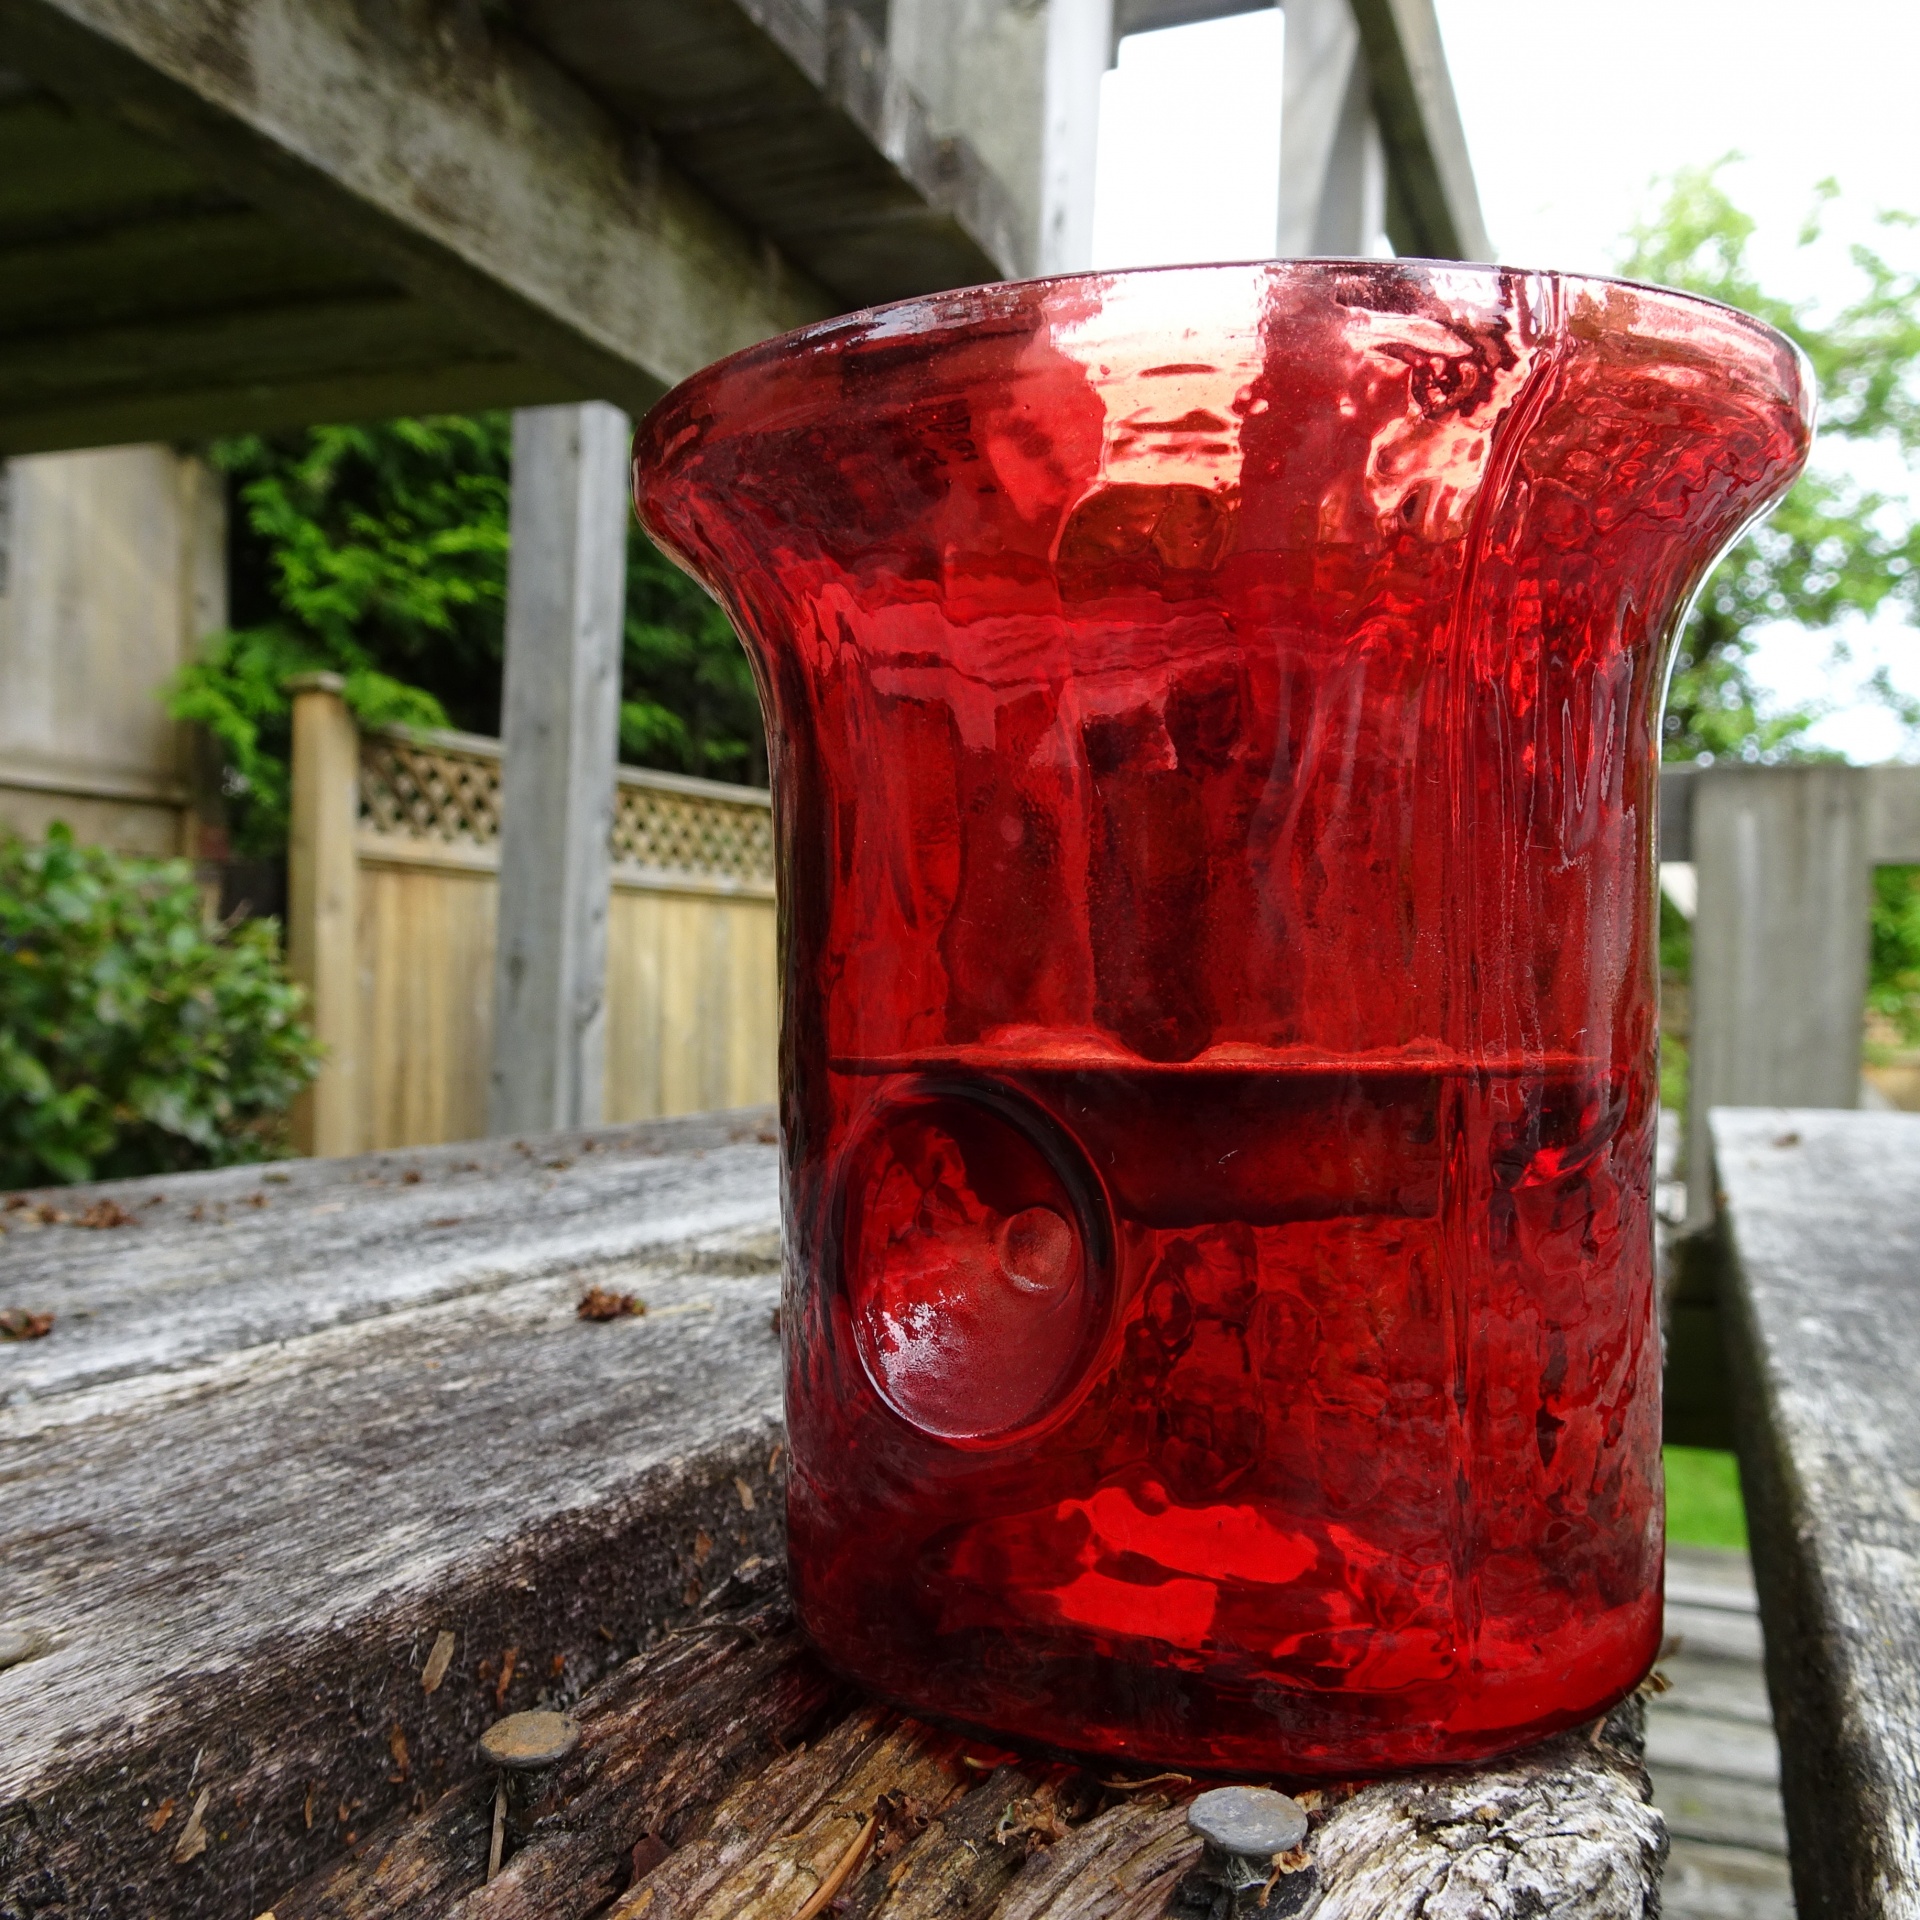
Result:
pixel 319 1471
pixel 1819 1293
pixel 1711 1751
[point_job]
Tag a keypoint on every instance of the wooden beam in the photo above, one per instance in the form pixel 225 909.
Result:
pixel 1436 204
pixel 1823 1226
pixel 1779 946
pixel 722 1776
pixel 196 413
pixel 798 120
pixel 449 153
pixel 1332 167
pixel 1080 40
pixel 566 599
pixel 174 261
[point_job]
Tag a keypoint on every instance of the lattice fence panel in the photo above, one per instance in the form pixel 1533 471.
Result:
pixel 692 833
pixel 444 792
pixel 418 791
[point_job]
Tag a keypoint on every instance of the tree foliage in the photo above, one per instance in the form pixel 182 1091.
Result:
pixel 133 1037
pixel 1836 549
pixel 379 552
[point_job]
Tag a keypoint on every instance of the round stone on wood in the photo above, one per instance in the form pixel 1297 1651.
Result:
pixel 527 1740
pixel 1253 1822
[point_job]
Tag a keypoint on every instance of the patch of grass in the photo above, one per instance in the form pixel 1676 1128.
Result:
pixel 1704 1508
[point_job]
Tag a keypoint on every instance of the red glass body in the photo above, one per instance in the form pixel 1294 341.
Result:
pixel 1213 724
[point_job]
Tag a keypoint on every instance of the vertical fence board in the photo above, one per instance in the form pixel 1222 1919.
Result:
pixel 426 982
pixel 322 916
pixel 633 1005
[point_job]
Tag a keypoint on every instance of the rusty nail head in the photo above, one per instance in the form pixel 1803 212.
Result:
pixel 526 1742
pixel 1248 1823
pixel 1245 1832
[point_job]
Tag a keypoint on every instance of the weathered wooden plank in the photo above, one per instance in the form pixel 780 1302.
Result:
pixel 1703 1805
pixel 270 1454
pixel 223 1262
pixel 1711 1577
pixel 1779 946
pixel 691 1795
pixel 172 260
pixel 339 332
pixel 794 117
pixel 1734 1747
pixel 1823 1224
pixel 60 169
pixel 1717 1632
pixel 1733 1689
pixel 191 412
pixel 1709 1881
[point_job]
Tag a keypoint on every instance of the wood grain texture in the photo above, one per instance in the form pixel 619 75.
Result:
pixel 725 1776
pixel 299 1425
pixel 1822 1306
pixel 299 1422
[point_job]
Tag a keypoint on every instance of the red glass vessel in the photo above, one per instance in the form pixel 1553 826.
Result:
pixel 1213 725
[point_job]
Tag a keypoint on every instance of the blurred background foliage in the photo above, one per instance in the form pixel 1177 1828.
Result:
pixel 134 1036
pixel 1836 550
pixel 379 552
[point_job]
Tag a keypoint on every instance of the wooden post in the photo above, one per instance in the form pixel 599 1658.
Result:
pixel 1079 48
pixel 1333 171
pixel 1783 861
pixel 323 907
pixel 566 602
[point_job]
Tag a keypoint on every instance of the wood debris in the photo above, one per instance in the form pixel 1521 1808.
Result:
pixel 438 1661
pixel 193 1837
pixel 843 1870
pixel 20 1323
pixel 105 1213
pixel 599 1303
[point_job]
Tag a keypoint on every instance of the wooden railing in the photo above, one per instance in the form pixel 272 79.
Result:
pixel 391 917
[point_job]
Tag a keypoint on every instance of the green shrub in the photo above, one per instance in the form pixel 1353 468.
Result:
pixel 1893 983
pixel 134 1038
pixel 379 552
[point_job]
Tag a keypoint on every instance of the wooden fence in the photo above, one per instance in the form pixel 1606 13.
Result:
pixel 393 882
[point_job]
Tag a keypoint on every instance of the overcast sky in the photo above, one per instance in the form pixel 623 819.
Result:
pixel 1571 111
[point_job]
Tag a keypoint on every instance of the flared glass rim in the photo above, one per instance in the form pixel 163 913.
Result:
pixel 798 340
